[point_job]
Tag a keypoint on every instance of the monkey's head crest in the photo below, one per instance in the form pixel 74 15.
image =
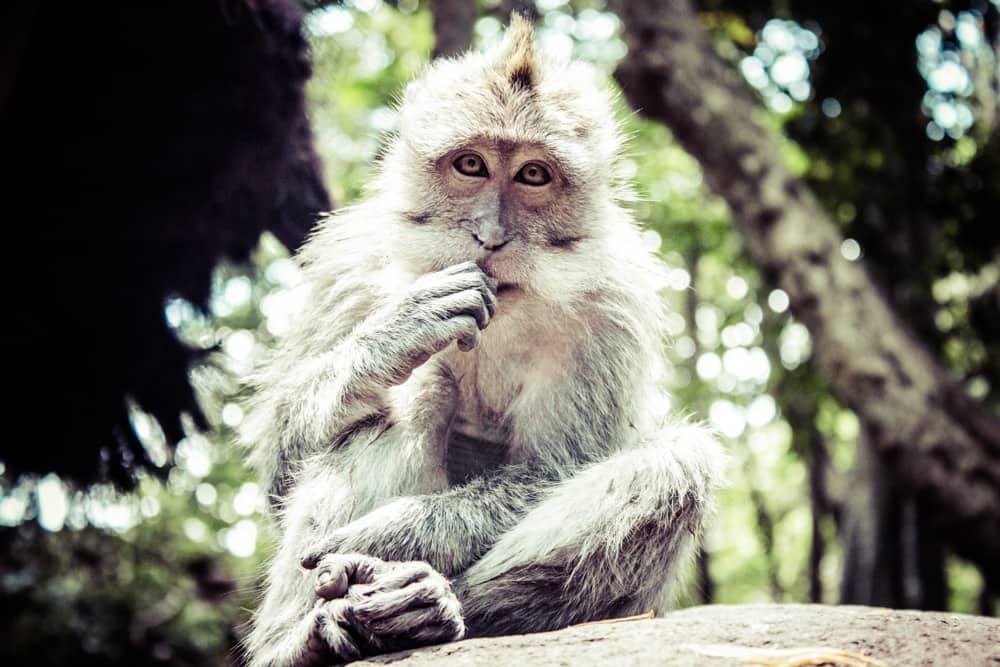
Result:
pixel 518 58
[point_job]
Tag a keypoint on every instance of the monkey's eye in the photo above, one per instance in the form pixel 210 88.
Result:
pixel 533 174
pixel 470 164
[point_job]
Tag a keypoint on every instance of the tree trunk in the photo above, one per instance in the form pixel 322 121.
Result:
pixel 797 391
pixel 938 444
pixel 453 23
pixel 872 545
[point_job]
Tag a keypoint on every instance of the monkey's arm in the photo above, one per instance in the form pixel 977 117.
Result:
pixel 450 530
pixel 292 626
pixel 317 399
pixel 329 489
pixel 338 431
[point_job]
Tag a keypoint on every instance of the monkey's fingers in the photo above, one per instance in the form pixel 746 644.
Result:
pixel 336 572
pixel 409 605
pixel 467 267
pixel 330 585
pixel 469 302
pixel 468 341
pixel 461 267
pixel 480 280
pixel 463 329
pixel 321 550
pixel 330 545
pixel 486 285
pixel 395 576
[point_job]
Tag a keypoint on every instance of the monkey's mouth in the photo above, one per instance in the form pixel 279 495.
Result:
pixel 502 286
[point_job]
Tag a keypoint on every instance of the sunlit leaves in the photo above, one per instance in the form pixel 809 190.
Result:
pixel 357 75
pixel 959 64
pixel 779 65
pixel 566 30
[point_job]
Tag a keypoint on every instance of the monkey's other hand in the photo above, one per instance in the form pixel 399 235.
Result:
pixel 391 605
pixel 453 304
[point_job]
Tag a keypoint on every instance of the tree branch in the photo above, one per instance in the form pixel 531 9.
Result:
pixel 909 403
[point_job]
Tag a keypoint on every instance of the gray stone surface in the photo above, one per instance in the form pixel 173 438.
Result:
pixel 739 635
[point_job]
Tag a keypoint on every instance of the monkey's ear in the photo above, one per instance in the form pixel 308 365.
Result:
pixel 517 55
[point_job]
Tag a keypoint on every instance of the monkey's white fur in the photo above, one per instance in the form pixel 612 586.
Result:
pixel 358 416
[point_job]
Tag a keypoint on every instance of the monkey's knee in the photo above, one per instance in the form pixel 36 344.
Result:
pixel 679 467
pixel 664 484
pixel 660 488
pixel 647 503
pixel 607 542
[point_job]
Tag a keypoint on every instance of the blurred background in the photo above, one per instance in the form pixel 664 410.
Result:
pixel 161 163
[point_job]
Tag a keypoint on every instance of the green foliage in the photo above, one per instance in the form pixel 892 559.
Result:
pixel 361 62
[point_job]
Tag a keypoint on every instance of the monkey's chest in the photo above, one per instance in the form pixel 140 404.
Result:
pixel 478 440
pixel 469 457
pixel 480 433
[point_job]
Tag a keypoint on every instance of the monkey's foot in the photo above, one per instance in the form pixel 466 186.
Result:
pixel 390 605
pixel 331 640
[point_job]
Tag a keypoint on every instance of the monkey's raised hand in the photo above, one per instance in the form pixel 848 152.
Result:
pixel 374 606
pixel 452 304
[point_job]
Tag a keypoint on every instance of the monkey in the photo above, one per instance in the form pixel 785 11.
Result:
pixel 465 431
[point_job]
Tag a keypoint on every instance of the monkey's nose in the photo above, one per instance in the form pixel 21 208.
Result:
pixel 492 239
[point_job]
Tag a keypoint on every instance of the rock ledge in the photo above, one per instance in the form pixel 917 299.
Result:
pixel 740 635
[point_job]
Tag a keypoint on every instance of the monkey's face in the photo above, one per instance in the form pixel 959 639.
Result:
pixel 508 206
pixel 514 207
pixel 509 160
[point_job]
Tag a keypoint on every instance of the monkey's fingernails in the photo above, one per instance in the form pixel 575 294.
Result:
pixel 330 586
pixel 491 305
pixel 490 283
pixel 310 562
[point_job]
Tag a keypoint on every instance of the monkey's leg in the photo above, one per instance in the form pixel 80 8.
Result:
pixel 292 627
pixel 449 530
pixel 607 542
pixel 402 550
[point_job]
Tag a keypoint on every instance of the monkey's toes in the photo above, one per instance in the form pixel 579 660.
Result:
pixel 420 613
pixel 409 587
pixel 439 622
pixel 332 633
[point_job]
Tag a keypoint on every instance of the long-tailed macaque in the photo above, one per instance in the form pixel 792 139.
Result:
pixel 463 434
